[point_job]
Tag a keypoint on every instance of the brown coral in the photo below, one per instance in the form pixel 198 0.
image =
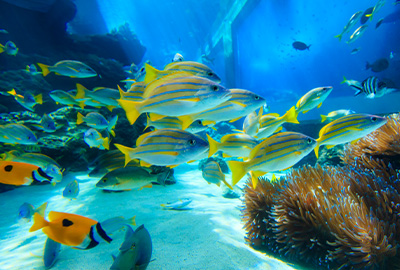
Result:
pixel 329 216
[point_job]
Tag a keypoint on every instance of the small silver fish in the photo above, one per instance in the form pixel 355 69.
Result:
pixel 27 210
pixel 50 254
pixel 178 205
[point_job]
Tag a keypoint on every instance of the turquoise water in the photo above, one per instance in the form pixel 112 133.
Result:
pixel 60 60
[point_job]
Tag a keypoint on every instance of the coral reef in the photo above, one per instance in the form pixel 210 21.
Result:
pixel 326 217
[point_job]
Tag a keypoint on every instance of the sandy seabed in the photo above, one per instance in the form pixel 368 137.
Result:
pixel 207 236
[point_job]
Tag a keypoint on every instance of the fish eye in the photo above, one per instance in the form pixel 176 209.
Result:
pixel 256 97
pixel 199 122
pixel 104 180
pixel 192 142
pixel 210 74
pixel 309 141
pixel 373 119
pixel 215 88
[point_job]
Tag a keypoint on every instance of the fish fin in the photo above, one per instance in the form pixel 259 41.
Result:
pixel 274 178
pixel 207 122
pixel 277 130
pixel 195 99
pixel 306 111
pixel 81 104
pixel 254 177
pixel 355 141
pixel 39 99
pixel 344 80
pixel 145 164
pixel 146 186
pixel 44 68
pixel 213 128
pixel 323 118
pixel 213 145
pixel 131 221
pixel 316 150
pixel 111 125
pixel 12 92
pixel 186 121
pixel 238 171
pixel 130 108
pixel 291 116
pixel 127 151
pixel 163 205
pixel 371 96
pixel 79 119
pixel 227 184
pixel 172 166
pixel 319 105
pixel 151 73
pixel 339 37
pixel 357 92
pixel 121 92
pixel 225 155
pixel 80 91
pixel 111 107
pixel 1 48
pixel 156 116
pixel 38 222
pixel 106 143
pixel 41 209
pixel 238 130
pixel 234 120
pixel 238 103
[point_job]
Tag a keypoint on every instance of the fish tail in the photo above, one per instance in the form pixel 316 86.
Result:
pixel 227 184
pixel 106 143
pixel 38 222
pixel 1 48
pixel 39 99
pixel 79 119
pixel 127 151
pixel 339 37
pixel 44 68
pixel 81 104
pixel 151 73
pixel 12 92
pixel 131 110
pixel 186 121
pixel 238 171
pixel 291 116
pixel 121 92
pixel 41 209
pixel 213 146
pixel 344 80
pixel 131 221
pixel 112 124
pixel 323 118
pixel 316 149
pixel 80 91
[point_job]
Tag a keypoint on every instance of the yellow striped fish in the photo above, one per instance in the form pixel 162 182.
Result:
pixel 313 98
pixel 278 152
pixel 174 122
pixel 232 145
pixel 348 128
pixel 134 93
pixel 177 97
pixel 165 147
pixel 241 103
pixel 212 173
pixel 272 123
pixel 194 68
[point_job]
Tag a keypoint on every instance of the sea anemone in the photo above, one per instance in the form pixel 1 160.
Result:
pixel 330 217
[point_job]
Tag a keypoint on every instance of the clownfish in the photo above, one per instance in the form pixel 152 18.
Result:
pixel 19 173
pixel 78 231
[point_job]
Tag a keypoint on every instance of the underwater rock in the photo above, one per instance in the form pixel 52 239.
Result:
pixel 331 217
pixel 331 157
pixel 231 194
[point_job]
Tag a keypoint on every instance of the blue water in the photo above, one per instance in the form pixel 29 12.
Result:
pixel 248 43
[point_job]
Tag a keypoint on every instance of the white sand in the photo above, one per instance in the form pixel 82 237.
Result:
pixel 209 236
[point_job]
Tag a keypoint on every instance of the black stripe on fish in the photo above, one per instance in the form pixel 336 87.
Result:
pixel 93 242
pixel 44 175
pixel 40 176
pixel 102 233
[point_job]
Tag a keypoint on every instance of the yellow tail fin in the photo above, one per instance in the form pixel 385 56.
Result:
pixel 186 120
pixel 12 92
pixel 130 108
pixel 238 171
pixel 339 37
pixel 151 73
pixel 106 143
pixel 316 149
pixel 39 99
pixel 323 118
pixel 344 80
pixel 1 48
pixel 127 151
pixel 80 91
pixel 121 92
pixel 38 222
pixel 44 68
pixel 41 209
pixel 291 116
pixel 213 146
pixel 79 119
pixel 131 221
